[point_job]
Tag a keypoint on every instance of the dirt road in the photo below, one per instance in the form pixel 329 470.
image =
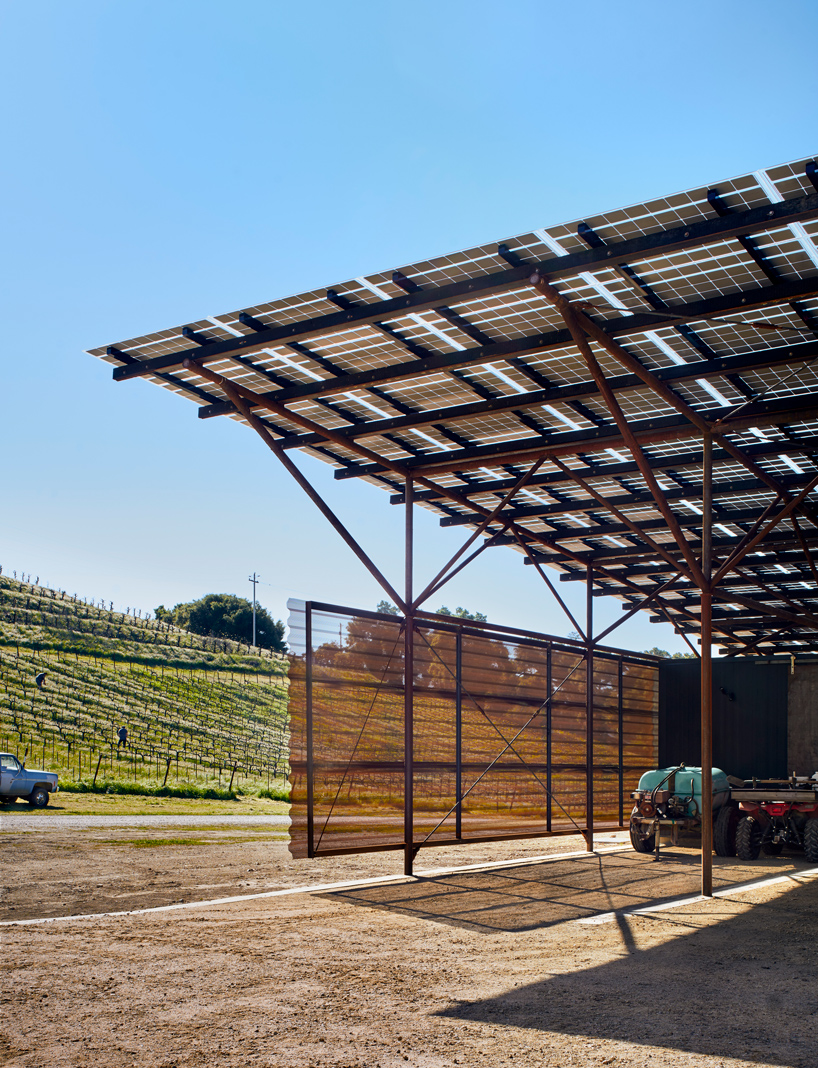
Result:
pixel 500 967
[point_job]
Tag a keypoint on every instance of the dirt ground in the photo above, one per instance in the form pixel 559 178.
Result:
pixel 538 964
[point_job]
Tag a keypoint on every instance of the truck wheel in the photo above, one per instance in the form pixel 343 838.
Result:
pixel 38 798
pixel 724 830
pixel 811 840
pixel 644 844
pixel 748 838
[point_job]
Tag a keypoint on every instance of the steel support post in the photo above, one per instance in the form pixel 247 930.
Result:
pixel 408 689
pixel 548 745
pixel 458 735
pixel 620 699
pixel 589 709
pixel 310 770
pixel 707 668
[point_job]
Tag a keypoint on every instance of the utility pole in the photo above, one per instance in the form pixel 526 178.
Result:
pixel 254 579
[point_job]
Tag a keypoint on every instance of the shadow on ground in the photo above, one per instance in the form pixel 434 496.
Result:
pixel 534 896
pixel 741 988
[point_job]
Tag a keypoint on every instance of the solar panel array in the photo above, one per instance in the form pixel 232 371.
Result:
pixel 458 371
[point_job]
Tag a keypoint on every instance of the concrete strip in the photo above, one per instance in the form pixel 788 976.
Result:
pixel 736 888
pixel 315 889
pixel 48 821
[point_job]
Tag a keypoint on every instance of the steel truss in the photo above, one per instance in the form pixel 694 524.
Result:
pixel 739 567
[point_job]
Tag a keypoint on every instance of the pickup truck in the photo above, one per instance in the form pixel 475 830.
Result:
pixel 16 780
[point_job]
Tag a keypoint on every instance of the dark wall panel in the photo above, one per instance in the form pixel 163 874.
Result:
pixel 749 716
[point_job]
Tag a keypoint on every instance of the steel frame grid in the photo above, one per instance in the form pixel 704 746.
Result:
pixel 693 284
pixel 306 765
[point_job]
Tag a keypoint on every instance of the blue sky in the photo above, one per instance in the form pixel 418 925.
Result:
pixel 166 161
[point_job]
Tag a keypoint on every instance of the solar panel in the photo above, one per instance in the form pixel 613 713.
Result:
pixel 700 308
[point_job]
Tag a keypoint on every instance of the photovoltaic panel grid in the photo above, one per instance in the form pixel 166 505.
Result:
pixel 700 308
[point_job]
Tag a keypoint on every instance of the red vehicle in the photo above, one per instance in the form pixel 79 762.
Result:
pixel 774 813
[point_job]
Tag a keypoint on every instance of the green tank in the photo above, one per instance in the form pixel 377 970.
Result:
pixel 685 785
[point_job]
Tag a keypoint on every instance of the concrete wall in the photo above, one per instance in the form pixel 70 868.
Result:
pixel 802 726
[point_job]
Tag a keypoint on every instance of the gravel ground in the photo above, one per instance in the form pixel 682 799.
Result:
pixel 495 967
pixel 48 822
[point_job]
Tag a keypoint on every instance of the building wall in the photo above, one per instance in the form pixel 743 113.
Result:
pixel 802 740
pixel 750 728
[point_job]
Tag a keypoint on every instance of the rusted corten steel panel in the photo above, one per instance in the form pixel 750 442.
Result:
pixel 498 736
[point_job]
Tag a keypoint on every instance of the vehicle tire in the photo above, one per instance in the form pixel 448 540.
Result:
pixel 38 798
pixel 748 838
pixel 724 830
pixel 770 848
pixel 811 840
pixel 642 844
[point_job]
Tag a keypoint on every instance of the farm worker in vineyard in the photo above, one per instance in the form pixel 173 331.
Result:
pixel 122 734
pixel 40 680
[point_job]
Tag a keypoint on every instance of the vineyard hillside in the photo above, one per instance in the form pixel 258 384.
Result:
pixel 203 713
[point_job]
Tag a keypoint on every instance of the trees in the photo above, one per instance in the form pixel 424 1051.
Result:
pixel 462 613
pixel 388 609
pixel 222 615
pixel 665 655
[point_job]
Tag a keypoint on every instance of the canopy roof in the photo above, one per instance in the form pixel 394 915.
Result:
pixel 604 351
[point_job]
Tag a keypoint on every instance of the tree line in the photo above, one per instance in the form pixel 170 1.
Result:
pixel 223 615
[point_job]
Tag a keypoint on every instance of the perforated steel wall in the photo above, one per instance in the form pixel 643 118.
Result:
pixel 499 731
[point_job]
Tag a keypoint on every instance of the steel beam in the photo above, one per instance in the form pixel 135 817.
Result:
pixel 692 235
pixel 482 526
pixel 591 504
pixel 589 709
pixel 807 552
pixel 552 394
pixel 655 431
pixel 638 606
pixel 626 522
pixel 707 670
pixel 737 556
pixel 577 326
pixel 550 585
pixel 408 687
pixel 620 469
pixel 313 494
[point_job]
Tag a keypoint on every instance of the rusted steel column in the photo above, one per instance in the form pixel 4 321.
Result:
pixel 458 730
pixel 707 669
pixel 621 738
pixel 310 766
pixel 548 746
pixel 408 688
pixel 589 708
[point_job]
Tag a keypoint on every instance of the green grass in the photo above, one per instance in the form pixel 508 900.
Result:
pixel 274 795
pixel 144 790
pixel 207 718
pixel 155 843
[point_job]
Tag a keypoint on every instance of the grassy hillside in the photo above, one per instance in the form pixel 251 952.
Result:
pixel 200 712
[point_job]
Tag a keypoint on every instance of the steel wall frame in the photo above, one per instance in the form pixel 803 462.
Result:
pixel 459 629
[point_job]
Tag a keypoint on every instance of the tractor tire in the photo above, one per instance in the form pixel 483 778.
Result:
pixel 724 830
pixel 811 840
pixel 770 848
pixel 38 798
pixel 643 845
pixel 748 838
